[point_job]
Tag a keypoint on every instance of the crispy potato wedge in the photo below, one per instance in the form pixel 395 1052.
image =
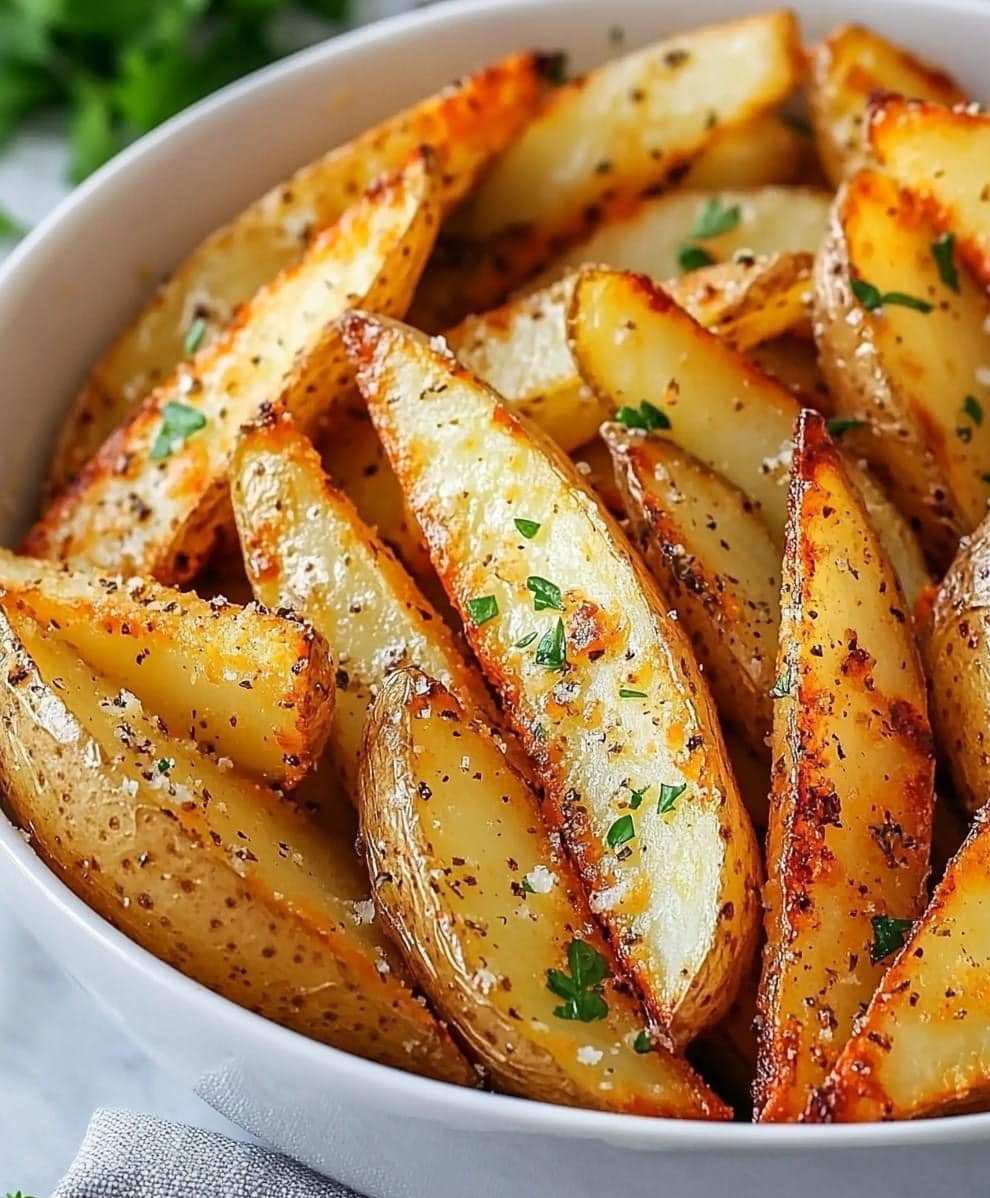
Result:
pixel 721 408
pixel 566 623
pixel 521 349
pixel 956 647
pixel 762 152
pixel 600 142
pixel 652 236
pixel 488 911
pixel 923 1047
pixel 357 462
pixel 793 361
pixel 594 463
pixel 213 874
pixel 920 408
pixel 848 69
pixel 252 687
pixel 715 562
pixel 941 156
pixel 466 124
pixel 151 500
pixel 307 549
pixel 853 775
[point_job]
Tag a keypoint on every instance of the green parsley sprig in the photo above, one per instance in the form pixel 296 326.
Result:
pixel 581 988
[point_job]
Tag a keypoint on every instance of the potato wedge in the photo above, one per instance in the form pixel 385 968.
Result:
pixel 715 562
pixel 923 1047
pixel 151 500
pixel 853 773
pixel 919 408
pixel 307 549
pixel 215 875
pixel 760 153
pixel 598 679
pixel 521 349
pixel 602 141
pixel 721 408
pixel 956 647
pixel 653 236
pixel 356 461
pixel 252 687
pixel 466 124
pixel 793 361
pixel 489 913
pixel 850 67
pixel 941 156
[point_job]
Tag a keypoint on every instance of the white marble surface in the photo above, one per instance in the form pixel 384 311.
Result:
pixel 61 1056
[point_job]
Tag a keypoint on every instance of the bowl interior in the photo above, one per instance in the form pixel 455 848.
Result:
pixel 77 277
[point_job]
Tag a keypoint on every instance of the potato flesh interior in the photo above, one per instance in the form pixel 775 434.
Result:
pixel 210 872
pixel 677 897
pixel 485 903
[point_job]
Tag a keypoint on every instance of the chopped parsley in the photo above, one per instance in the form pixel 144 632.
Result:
pixel 527 886
pixel 637 797
pixel 528 528
pixel 164 764
pixel 482 609
pixel 621 831
pixel 546 594
pixel 693 257
pixel 179 422
pixel 526 640
pixel 626 693
pixel 669 796
pixel 643 1043
pixel 194 335
pixel 647 417
pixel 837 425
pixel 11 229
pixel 973 409
pixel 552 651
pixel 784 684
pixel 944 253
pixel 581 987
pixel 872 297
pixel 715 219
pixel 889 934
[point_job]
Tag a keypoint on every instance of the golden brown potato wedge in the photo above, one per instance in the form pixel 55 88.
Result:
pixel 889 299
pixel 853 769
pixel 923 1047
pixel 491 918
pixel 633 345
pixel 793 361
pixel 598 679
pixel 762 152
pixel 248 686
pixel 600 142
pixel 850 67
pixel 715 562
pixel 466 124
pixel 956 646
pixel 212 873
pixel 151 500
pixel 521 349
pixel 307 549
pixel 669 234
pixel 943 157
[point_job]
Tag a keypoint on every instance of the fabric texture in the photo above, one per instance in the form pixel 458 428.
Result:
pixel 125 1155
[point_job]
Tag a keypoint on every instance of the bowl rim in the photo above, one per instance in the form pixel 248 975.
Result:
pixel 421 1096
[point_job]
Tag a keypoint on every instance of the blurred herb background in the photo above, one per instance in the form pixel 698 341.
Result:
pixel 117 68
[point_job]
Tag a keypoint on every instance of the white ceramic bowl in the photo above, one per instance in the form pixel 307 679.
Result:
pixel 62 294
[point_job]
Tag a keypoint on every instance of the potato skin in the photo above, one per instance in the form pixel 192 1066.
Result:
pixel 956 645
pixel 224 880
pixel 482 901
pixel 851 802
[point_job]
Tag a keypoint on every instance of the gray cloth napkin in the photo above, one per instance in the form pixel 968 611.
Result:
pixel 136 1156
